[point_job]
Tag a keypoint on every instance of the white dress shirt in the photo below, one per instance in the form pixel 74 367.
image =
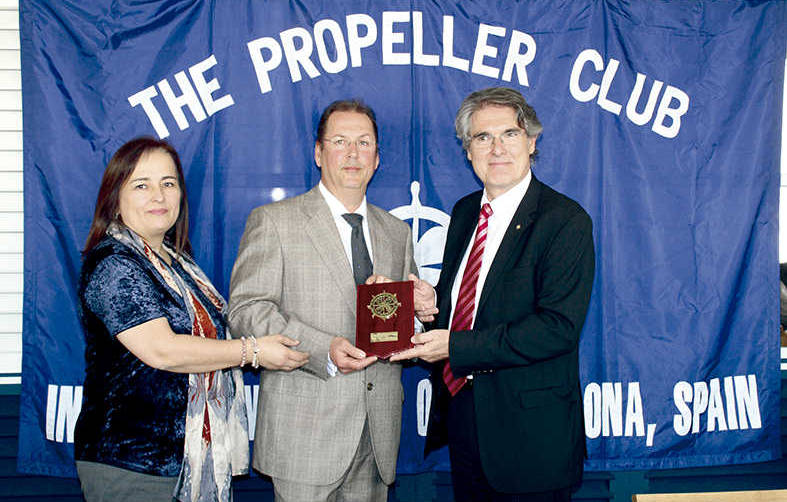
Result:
pixel 344 228
pixel 345 234
pixel 503 208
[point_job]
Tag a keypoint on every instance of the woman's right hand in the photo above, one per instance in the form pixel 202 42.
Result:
pixel 275 353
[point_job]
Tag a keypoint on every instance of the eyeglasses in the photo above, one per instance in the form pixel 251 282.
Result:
pixel 485 141
pixel 341 143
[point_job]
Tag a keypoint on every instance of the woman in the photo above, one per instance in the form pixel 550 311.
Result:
pixel 162 417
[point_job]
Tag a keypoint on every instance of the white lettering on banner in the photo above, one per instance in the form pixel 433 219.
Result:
pixel 668 119
pixel 423 401
pixel 297 54
pixel 419 57
pixel 355 41
pixel 330 46
pixel 206 88
pixel 252 393
pixel 603 406
pixel 702 407
pixel 519 60
pixel 670 94
pixel 736 408
pixel 63 405
pixel 188 97
pixel 261 65
pixel 145 98
pixel 391 37
pixel 631 107
pixel 64 402
pixel 396 49
pixel 332 27
pixel 482 50
pixel 449 59
pixel 198 98
pixel 51 411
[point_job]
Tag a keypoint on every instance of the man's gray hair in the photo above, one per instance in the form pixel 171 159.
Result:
pixel 497 96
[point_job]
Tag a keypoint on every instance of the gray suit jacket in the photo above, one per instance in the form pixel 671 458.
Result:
pixel 292 276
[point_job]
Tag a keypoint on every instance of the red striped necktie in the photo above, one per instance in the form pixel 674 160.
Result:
pixel 465 303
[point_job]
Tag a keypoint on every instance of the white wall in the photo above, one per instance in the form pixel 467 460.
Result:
pixel 10 195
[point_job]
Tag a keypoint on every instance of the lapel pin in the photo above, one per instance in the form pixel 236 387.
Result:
pixel 518 226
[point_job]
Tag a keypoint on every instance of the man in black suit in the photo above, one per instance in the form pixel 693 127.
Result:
pixel 511 301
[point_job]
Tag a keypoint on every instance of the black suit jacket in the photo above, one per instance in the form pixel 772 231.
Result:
pixel 523 348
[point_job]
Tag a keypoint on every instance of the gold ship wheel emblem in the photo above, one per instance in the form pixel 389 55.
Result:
pixel 384 305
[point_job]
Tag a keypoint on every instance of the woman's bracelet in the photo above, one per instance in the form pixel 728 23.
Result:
pixel 254 362
pixel 243 351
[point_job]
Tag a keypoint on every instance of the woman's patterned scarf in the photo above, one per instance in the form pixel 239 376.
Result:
pixel 216 446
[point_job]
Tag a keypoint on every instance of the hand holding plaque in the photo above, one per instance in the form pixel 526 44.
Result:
pixel 384 318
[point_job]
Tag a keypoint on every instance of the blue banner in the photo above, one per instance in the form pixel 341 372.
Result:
pixel 661 118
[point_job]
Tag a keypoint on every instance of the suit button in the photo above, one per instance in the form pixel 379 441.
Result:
pixel 369 386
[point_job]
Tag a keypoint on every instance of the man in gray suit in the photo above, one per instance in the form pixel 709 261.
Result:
pixel 324 434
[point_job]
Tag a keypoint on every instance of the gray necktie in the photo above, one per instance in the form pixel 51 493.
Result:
pixel 362 264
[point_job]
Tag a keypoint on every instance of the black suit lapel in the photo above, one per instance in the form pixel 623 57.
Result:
pixel 514 238
pixel 461 233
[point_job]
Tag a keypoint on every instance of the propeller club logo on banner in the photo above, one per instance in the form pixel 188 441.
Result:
pixel 669 140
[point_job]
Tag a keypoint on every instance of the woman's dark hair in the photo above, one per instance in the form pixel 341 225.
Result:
pixel 118 171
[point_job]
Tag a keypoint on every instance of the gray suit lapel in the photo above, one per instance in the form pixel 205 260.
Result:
pixel 321 229
pixel 381 249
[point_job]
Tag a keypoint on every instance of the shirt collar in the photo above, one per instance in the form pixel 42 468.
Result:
pixel 336 206
pixel 506 203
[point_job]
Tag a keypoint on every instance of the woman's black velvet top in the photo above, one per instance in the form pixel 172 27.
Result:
pixel 133 416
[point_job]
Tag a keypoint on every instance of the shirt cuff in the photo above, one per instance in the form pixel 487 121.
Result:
pixel 331 368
